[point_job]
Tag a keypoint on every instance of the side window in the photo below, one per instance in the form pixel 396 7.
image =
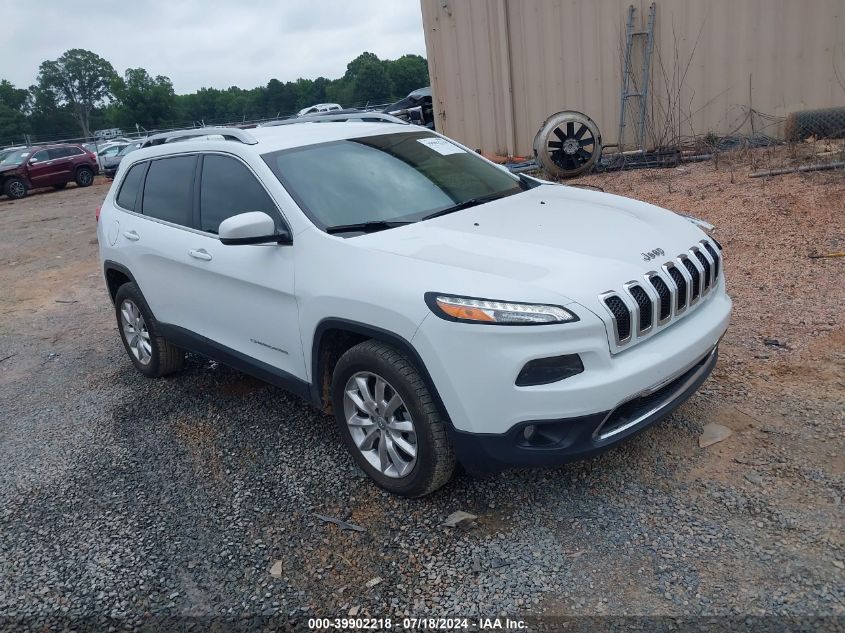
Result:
pixel 40 157
pixel 131 183
pixel 229 188
pixel 168 190
pixel 74 151
pixel 58 152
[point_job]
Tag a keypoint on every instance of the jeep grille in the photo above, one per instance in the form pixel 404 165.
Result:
pixel 640 309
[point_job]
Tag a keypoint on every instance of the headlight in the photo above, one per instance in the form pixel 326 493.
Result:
pixel 496 312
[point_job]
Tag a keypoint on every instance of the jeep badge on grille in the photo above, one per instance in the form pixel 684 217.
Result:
pixel 657 252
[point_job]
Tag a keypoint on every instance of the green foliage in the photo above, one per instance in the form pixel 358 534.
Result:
pixel 13 123
pixel 78 78
pixel 407 74
pixel 14 98
pixel 82 90
pixel 143 99
pixel 371 83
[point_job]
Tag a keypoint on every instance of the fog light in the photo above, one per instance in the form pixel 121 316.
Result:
pixel 547 370
pixel 528 432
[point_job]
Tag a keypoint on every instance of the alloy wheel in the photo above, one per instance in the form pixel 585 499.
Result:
pixel 135 332
pixel 17 189
pixel 380 424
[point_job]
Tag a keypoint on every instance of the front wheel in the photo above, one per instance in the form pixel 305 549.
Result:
pixel 389 422
pixel 15 188
pixel 84 176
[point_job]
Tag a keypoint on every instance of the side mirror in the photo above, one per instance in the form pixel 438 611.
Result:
pixel 254 227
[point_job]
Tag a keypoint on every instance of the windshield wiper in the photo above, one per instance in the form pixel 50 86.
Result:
pixel 472 202
pixel 366 227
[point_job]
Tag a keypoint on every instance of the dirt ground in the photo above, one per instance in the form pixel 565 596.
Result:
pixel 748 526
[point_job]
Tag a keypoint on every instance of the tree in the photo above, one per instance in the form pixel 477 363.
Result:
pixel 369 79
pixel 13 125
pixel 11 97
pixel 46 116
pixel 408 73
pixel 80 79
pixel 142 99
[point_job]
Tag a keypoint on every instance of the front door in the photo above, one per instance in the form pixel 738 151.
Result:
pixel 245 293
pixel 39 167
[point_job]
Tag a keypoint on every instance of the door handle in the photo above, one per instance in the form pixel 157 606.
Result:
pixel 131 235
pixel 200 254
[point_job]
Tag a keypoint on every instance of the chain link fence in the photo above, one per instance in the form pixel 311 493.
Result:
pixel 27 140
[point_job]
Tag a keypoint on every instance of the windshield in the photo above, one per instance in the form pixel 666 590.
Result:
pixel 15 158
pixel 386 178
pixel 128 148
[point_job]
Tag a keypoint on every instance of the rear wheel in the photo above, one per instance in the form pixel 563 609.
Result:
pixel 389 422
pixel 84 176
pixel 15 188
pixel 150 352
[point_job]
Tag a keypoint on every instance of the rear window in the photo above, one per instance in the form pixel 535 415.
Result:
pixel 131 183
pixel 168 191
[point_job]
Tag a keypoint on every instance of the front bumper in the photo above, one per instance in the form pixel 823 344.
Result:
pixel 555 442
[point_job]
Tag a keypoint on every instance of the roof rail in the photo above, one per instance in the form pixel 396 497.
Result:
pixel 367 117
pixel 228 133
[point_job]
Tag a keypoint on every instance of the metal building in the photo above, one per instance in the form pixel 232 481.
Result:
pixel 500 67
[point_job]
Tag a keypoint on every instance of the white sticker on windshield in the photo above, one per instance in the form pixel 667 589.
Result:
pixel 441 146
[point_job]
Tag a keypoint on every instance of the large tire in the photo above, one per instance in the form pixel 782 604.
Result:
pixel 434 461
pixel 148 350
pixel 84 177
pixel 15 188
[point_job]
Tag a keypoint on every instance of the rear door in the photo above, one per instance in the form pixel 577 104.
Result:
pixel 61 165
pixel 246 292
pixel 156 238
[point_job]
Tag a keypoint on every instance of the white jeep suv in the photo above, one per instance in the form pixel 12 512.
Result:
pixel 443 309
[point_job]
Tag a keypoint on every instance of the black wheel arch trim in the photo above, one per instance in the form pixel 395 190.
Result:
pixel 112 265
pixel 379 334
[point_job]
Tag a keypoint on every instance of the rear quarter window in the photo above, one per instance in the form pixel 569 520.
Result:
pixel 168 190
pixel 128 193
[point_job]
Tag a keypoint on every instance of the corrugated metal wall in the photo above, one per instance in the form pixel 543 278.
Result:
pixel 500 67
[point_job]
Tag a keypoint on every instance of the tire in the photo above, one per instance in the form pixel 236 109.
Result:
pixel 60 187
pixel 84 177
pixel 15 188
pixel 434 461
pixel 150 352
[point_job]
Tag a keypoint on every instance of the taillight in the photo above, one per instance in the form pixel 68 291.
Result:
pixel 98 213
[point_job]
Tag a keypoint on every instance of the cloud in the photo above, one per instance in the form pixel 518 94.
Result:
pixel 211 43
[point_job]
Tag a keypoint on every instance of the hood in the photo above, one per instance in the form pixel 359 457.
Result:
pixel 5 168
pixel 572 242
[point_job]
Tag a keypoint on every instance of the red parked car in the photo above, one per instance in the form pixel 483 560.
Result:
pixel 46 166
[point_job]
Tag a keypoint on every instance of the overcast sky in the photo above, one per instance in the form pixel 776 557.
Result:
pixel 209 43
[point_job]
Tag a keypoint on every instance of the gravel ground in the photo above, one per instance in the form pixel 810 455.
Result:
pixel 133 502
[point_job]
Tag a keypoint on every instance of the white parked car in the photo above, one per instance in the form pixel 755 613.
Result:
pixel 104 151
pixel 443 309
pixel 320 108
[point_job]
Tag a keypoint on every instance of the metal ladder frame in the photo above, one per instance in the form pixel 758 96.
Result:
pixel 642 94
